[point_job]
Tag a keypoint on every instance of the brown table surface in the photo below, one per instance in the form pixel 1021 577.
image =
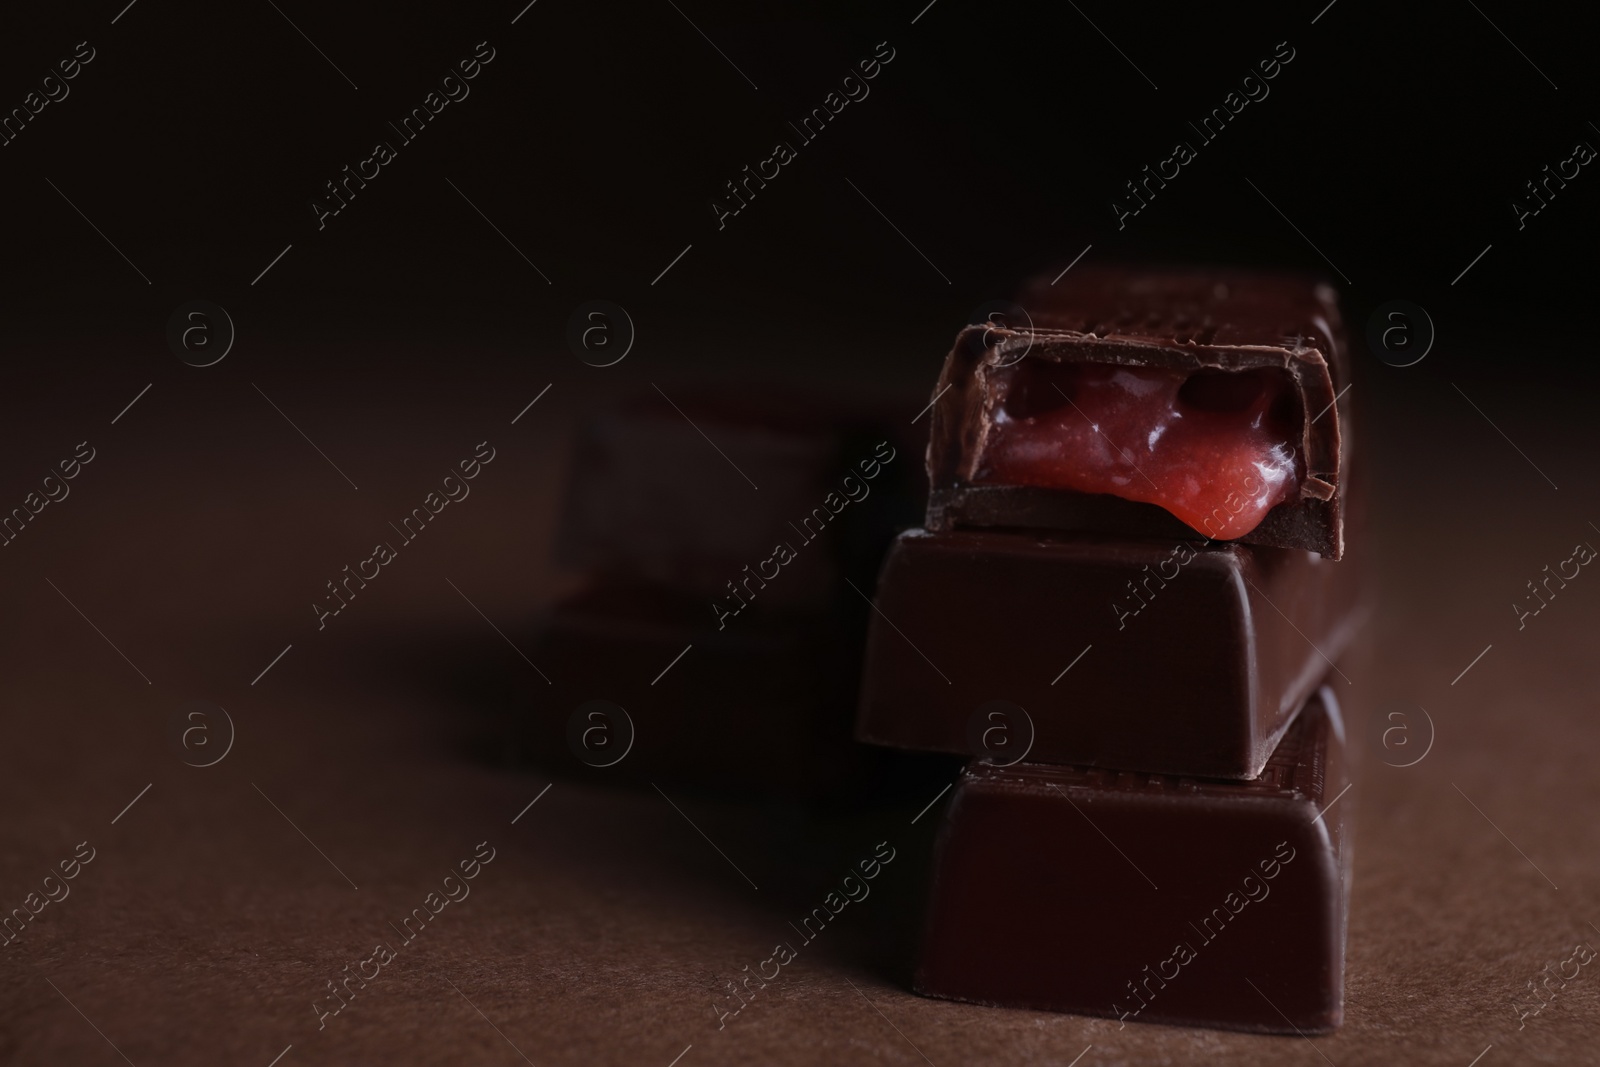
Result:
pixel 219 904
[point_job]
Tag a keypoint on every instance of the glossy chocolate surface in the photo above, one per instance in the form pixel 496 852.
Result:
pixel 1149 898
pixel 1142 655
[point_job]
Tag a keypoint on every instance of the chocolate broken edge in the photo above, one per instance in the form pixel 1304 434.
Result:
pixel 961 421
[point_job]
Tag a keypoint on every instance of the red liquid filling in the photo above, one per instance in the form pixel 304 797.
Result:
pixel 1213 447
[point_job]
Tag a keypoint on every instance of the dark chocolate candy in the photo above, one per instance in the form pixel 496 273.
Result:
pixel 1188 321
pixel 732 523
pixel 761 706
pixel 651 500
pixel 1149 898
pixel 1184 658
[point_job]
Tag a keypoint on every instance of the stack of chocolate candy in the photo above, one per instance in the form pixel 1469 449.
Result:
pixel 1130 604
pixel 713 637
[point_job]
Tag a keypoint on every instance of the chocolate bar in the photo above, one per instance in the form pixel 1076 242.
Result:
pixel 760 706
pixel 1173 657
pixel 1150 403
pixel 1150 898
pixel 651 500
pixel 717 537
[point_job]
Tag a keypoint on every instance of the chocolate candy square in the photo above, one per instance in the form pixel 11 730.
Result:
pixel 738 498
pixel 1173 657
pixel 1148 898
pixel 762 706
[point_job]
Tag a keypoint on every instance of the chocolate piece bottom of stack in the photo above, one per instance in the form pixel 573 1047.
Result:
pixel 1147 897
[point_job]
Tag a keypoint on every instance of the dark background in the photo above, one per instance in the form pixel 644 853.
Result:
pixel 996 140
pixel 408 330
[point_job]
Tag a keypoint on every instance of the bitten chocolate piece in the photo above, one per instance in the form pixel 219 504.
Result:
pixel 1150 402
pixel 1172 657
pixel 1147 898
